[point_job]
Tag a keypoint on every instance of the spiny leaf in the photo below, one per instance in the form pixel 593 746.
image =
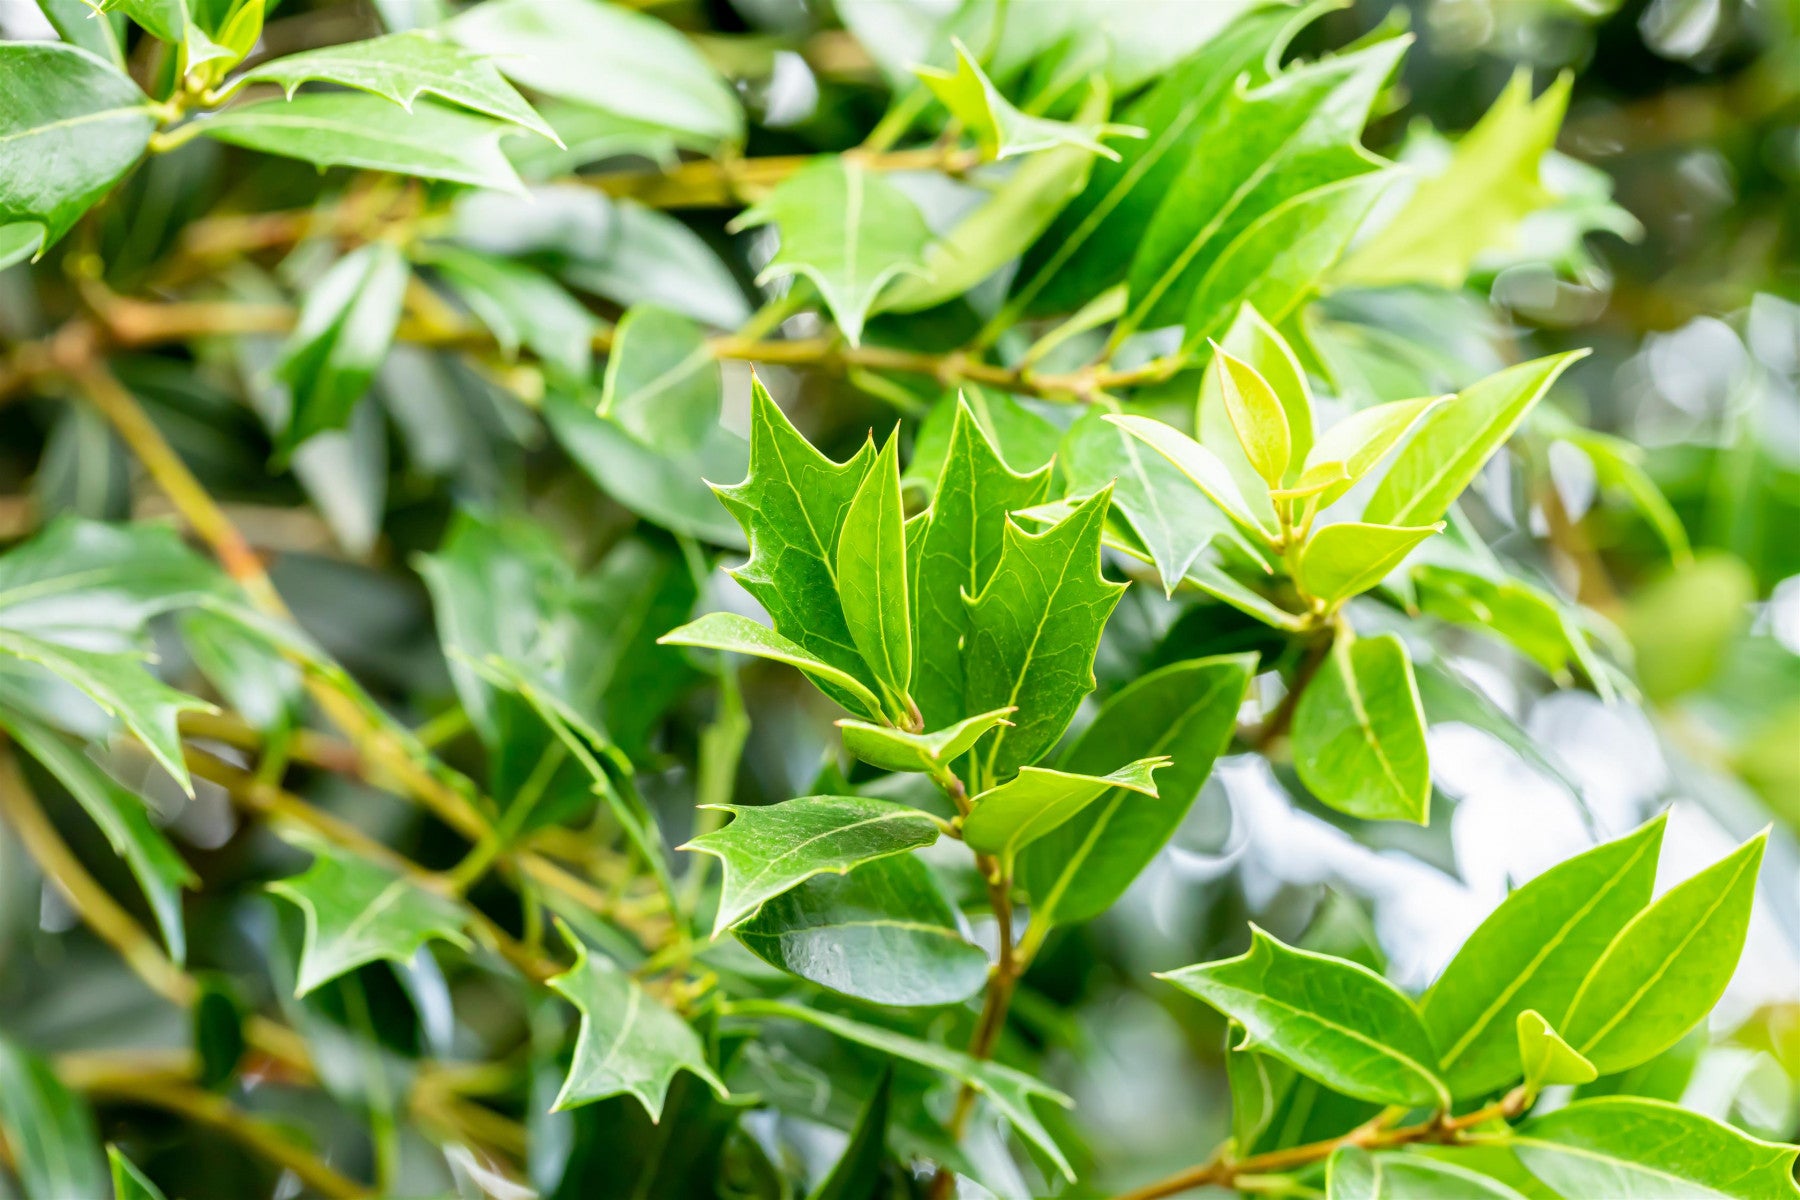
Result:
pixel 741 635
pixel 897 750
pixel 1011 816
pixel 871 574
pixel 1359 733
pixel 99 582
pixel 1000 129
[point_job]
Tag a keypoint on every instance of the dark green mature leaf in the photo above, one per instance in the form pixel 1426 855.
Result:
pixel 55 1152
pixel 1352 1173
pixel 70 126
pixel 1648 1150
pixel 845 228
pixel 959 548
pixel 662 383
pixel 346 326
pixel 128 1182
pixel 607 56
pixel 99 34
pixel 1666 969
pixel 357 913
pixel 89 579
pixel 1011 816
pixel 1187 711
pixel 121 816
pixel 403 66
pixel 1008 1090
pixel 741 635
pixel 767 850
pixel 1545 1058
pixel 218 1017
pixel 1449 447
pixel 1020 435
pixel 857 1174
pixel 793 506
pixel 1033 631
pixel 522 307
pixel 1343 560
pixel 871 574
pixel 249 672
pixel 883 932
pixel 1330 1019
pixel 897 750
pixel 1359 732
pixel 999 128
pixel 629 1044
pixel 1199 465
pixel 1532 952
pixel 355 129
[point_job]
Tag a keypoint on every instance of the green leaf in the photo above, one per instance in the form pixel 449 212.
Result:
pixel 883 932
pixel 857 1174
pixel 403 66
pixel 1257 415
pixel 1352 1173
pixel 1201 466
pixel 606 56
pixel 1359 732
pixel 959 547
pixel 1475 203
pixel 1271 363
pixel 79 25
pixel 346 326
pixel 1649 1150
pixel 172 21
pixel 793 506
pixel 218 1018
pixel 1344 560
pixel 1532 952
pixel 357 913
pixel 769 849
pixel 100 583
pixel 1349 449
pixel 1333 1020
pixel 845 228
pixel 1033 632
pixel 54 1150
pixel 1000 129
pixel 255 680
pixel 1188 711
pixel 871 574
pixel 1545 1058
pixel 522 307
pixel 1666 969
pixel 662 383
pixel 156 865
pixel 1007 818
pixel 355 129
pixel 741 635
pixel 897 750
pixel 1008 1090
pixel 1449 447
pixel 70 126
pixel 629 1044
pixel 128 1182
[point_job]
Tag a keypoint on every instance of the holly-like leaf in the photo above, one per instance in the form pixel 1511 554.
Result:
pixel 741 635
pixel 897 750
pixel 662 383
pixel 769 849
pixel 128 1182
pixel 357 912
pixel 1011 816
pixel 70 126
pixel 629 1044
pixel 1353 1173
pixel 871 574
pixel 1343 560
pixel 846 229
pixel 355 129
pixel 1666 969
pixel 1359 732
pixel 247 668
pixel 1033 631
pixel 1647 1150
pixel 1187 711
pixel 1545 1058
pixel 1532 952
pixel 402 67
pixel 346 326
pixel 54 1151
pixel 999 128
pixel 883 932
pixel 522 307
pixel 1333 1020
pixel 99 583
pixel 959 547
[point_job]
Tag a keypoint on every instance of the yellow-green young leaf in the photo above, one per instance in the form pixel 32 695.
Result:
pixel 1545 1058
pixel 1632 1149
pixel 1532 952
pixel 70 126
pixel 1684 622
pixel 1258 345
pixel 1011 816
pixel 238 33
pixel 172 21
pixel 128 1182
pixel 871 574
pixel 54 1151
pixel 1351 448
pixel 897 750
pixel 769 849
pixel 1341 561
pixel 346 326
pixel 1033 632
pixel 845 228
pixel 1359 732
pixel 1200 465
pixel 1451 445
pixel 357 913
pixel 1667 968
pixel 1477 201
pixel 882 932
pixel 629 1044
pixel 1353 1173
pixel 662 384
pixel 741 635
pixel 1330 1019
pixel 1256 415
pixel 1000 129
pixel 403 66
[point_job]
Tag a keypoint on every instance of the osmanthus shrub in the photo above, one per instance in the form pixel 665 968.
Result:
pixel 394 808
